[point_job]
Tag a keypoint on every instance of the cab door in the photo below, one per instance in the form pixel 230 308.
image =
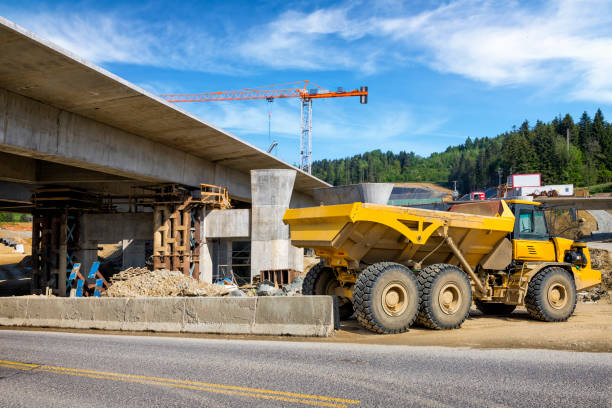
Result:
pixel 531 240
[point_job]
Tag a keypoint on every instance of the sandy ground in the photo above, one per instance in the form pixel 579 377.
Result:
pixel 589 330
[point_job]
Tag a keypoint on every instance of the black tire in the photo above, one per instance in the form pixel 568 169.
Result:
pixel 438 283
pixel 386 298
pixel 551 295
pixel 494 308
pixel 320 280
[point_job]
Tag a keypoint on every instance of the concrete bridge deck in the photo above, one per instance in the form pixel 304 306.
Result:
pixel 59 108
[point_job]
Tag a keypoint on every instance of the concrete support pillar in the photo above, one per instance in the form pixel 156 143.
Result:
pixel 206 258
pixel 87 253
pixel 270 241
pixel 133 253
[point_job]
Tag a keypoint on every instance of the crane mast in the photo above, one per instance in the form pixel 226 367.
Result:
pixel 306 136
pixel 274 92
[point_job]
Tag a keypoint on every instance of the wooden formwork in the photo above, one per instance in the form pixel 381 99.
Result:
pixel 279 276
pixel 47 250
pixel 55 238
pixel 176 242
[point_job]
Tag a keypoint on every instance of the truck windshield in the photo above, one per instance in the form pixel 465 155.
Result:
pixel 532 224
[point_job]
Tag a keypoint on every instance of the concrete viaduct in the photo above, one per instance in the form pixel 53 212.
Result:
pixel 70 127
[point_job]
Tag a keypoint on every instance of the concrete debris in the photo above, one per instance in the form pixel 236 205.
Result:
pixel 298 282
pixel 292 289
pixel 265 288
pixel 162 283
pixel 593 295
pixel 237 293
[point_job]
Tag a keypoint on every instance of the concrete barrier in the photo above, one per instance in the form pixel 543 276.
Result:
pixel 274 316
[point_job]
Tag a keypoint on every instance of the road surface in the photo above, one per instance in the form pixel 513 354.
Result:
pixel 40 369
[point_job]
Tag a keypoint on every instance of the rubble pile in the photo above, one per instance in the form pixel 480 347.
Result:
pixel 268 288
pixel 600 259
pixel 129 273
pixel 144 283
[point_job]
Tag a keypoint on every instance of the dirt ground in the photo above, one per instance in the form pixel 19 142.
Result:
pixel 589 330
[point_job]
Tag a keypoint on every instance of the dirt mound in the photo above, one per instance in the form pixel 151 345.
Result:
pixel 309 262
pixel 163 283
pixel 561 224
pixel 600 259
pixel 428 186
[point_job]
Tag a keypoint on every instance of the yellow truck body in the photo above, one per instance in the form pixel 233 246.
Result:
pixel 351 233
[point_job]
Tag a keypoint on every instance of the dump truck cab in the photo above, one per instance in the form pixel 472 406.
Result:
pixel 533 243
pixel 391 265
pixel 529 249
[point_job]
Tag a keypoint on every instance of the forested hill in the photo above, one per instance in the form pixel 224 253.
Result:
pixel 540 148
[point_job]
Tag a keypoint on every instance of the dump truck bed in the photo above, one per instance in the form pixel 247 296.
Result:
pixel 372 233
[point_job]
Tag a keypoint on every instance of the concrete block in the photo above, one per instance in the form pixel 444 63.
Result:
pixel 79 313
pixel 45 312
pixel 109 313
pixel 156 314
pixel 296 316
pixel 14 311
pixel 224 315
pixel 228 223
pixel 276 316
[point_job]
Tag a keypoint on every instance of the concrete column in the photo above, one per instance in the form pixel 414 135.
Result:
pixel 88 247
pixel 133 253
pixel 271 247
pixel 206 259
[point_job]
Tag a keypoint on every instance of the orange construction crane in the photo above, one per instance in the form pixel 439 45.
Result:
pixel 306 93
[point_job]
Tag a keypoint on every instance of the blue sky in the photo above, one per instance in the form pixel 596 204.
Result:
pixel 437 71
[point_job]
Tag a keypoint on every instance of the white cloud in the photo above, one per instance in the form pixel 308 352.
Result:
pixel 562 45
pixel 112 37
pixel 325 39
pixel 508 43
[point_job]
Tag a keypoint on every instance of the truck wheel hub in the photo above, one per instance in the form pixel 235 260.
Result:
pixel 394 299
pixel 557 296
pixel 449 298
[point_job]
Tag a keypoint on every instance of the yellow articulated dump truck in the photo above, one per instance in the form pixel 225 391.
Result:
pixel 393 265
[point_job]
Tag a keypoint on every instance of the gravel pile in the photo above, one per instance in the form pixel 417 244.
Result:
pixel 129 273
pixel 163 283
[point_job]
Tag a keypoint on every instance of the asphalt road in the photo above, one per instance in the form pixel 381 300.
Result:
pixel 40 369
